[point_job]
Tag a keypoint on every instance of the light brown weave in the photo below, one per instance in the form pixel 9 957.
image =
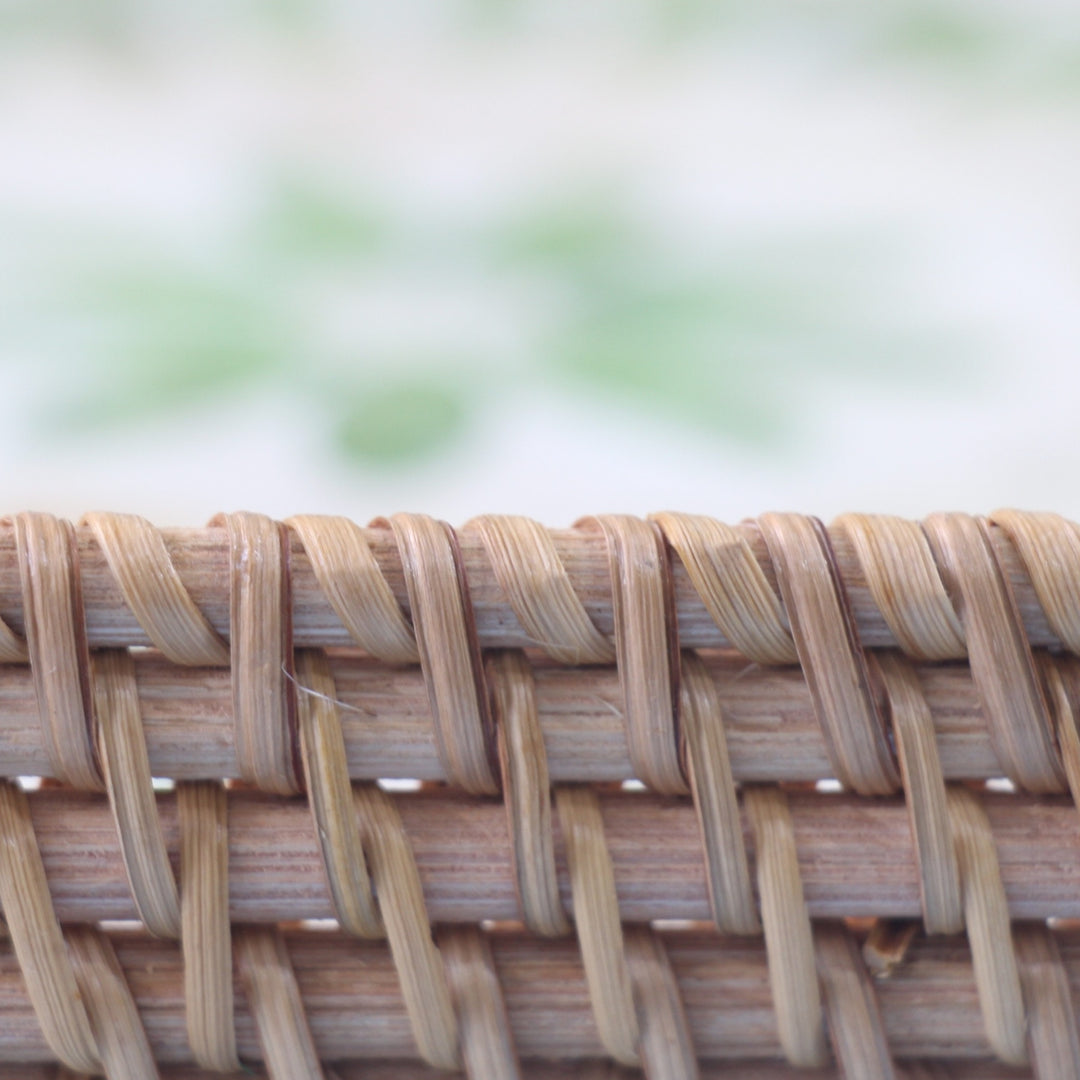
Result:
pixel 526 912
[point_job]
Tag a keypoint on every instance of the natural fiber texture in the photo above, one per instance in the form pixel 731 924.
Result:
pixel 924 789
pixel 487 1046
pixel 523 763
pixel 788 934
pixel 274 998
pixel 449 656
pixel 730 894
pixel 206 930
pixel 349 576
pixel 424 985
pixel 530 572
pixel 38 940
pixel 152 589
pixel 646 654
pixel 524 915
pixel 855 1024
pixel 666 1046
pixel 834 665
pixel 732 586
pixel 929 1007
pixel 131 793
pixel 1000 656
pixel 596 916
pixel 122 1042
pixel 56 643
pixel 263 701
pixel 987 916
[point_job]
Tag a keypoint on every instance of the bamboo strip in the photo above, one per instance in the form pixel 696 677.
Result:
pixel 201 557
pixel 856 856
pixel 771 730
pixel 354 1008
pixel 553 1070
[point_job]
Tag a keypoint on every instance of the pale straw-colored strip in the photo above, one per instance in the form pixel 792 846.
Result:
pixel 640 604
pixel 419 965
pixel 530 572
pixel 596 917
pixel 121 1038
pixel 204 914
pixel 322 748
pixel 349 575
pixel 831 657
pixel 1049 548
pixel 151 587
pixel 986 913
pixel 128 781
pixel 56 640
pixel 789 943
pixel 732 586
pixel 856 1028
pixel 1061 679
pixel 449 655
pixel 260 620
pixel 13 648
pixel 1000 656
pixel 731 892
pixel 358 827
pixel 38 941
pixel 924 792
pixel 1053 1040
pixel 898 565
pixel 526 791
pixel 487 1045
pixel 666 1047
pixel 273 996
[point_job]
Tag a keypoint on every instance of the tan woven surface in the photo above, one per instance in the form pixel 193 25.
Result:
pixel 520 914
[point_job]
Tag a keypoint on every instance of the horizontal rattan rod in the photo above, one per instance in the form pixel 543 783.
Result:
pixel 772 732
pixel 201 558
pixel 856 856
pixel 554 1070
pixel 354 1006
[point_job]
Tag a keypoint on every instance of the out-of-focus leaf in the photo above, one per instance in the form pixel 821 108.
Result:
pixel 156 380
pixel 567 235
pixel 401 421
pixel 728 352
pixel 680 352
pixel 168 338
pixel 306 221
pixel 938 32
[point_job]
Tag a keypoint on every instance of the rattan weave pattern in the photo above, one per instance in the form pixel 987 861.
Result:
pixel 525 913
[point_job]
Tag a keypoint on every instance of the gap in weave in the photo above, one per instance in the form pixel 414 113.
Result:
pixel 1001 784
pixel 830 786
pixel 633 785
pixel 29 783
pixel 682 924
pixel 329 926
pixel 125 926
pixel 163 783
pixel 399 784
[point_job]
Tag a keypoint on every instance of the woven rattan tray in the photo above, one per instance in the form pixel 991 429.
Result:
pixel 307 799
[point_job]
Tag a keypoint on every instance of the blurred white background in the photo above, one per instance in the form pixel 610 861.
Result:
pixel 555 259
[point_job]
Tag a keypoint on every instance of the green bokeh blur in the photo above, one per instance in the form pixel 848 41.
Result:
pixel 495 252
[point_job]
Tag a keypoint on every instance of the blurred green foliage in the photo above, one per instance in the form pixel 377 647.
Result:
pixel 723 342
pixel 400 421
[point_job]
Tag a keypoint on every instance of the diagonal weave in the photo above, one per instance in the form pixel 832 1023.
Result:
pixel 689 798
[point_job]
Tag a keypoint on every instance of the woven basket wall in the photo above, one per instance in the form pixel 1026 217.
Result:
pixel 668 795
